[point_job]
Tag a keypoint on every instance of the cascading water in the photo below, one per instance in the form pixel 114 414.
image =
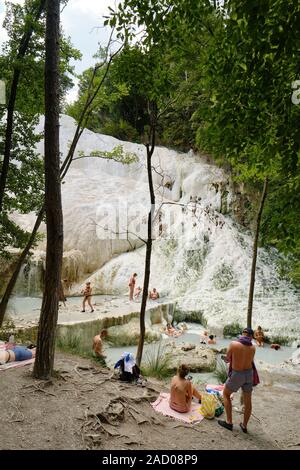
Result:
pixel 201 256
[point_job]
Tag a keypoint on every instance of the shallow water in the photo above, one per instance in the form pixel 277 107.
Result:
pixel 24 306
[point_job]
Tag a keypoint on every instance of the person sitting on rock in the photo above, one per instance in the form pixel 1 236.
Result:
pixel 275 346
pixel 211 340
pixel 259 336
pixel 137 293
pixel 98 344
pixel 182 391
pixel 16 353
pixel 153 295
pixel 171 331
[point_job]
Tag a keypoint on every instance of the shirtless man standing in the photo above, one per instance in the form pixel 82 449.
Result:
pixel 98 344
pixel 240 355
pixel 87 292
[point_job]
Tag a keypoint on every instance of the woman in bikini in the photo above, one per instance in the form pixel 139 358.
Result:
pixel 87 292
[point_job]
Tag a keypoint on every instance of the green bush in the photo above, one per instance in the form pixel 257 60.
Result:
pixel 8 328
pixel 157 362
pixel 221 371
pixel 72 344
pixel 232 330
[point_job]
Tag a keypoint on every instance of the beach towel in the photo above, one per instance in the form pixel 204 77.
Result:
pixel 10 365
pixel 161 405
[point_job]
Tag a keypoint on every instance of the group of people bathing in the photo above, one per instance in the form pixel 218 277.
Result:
pixel 135 292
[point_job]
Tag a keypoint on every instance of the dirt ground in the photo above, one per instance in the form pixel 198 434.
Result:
pixel 84 408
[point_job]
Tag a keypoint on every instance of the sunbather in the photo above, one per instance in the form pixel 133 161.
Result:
pixel 182 391
pixel 16 353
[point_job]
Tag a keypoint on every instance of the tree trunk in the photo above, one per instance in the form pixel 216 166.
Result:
pixel 44 361
pixel 12 99
pixel 150 151
pixel 254 256
pixel 12 282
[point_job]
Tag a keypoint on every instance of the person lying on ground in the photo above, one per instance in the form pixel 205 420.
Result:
pixel 182 391
pixel 16 353
pixel 98 344
pixel 259 336
pixel 153 295
pixel 171 331
pixel 211 340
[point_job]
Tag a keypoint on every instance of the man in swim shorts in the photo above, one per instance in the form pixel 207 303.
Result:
pixel 240 355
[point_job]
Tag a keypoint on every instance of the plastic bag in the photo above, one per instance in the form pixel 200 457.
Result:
pixel 208 405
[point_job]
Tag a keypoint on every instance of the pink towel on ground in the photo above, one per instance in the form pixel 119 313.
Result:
pixel 161 405
pixel 10 365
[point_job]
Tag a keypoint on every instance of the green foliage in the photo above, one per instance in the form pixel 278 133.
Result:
pixel 25 179
pixel 157 362
pixel 72 344
pixel 221 372
pixel 117 155
pixel 8 328
pixel 232 330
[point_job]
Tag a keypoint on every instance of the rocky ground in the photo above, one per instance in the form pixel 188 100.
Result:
pixel 84 408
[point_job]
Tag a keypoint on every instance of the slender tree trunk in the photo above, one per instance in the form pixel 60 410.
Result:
pixel 43 367
pixel 12 282
pixel 150 151
pixel 254 256
pixel 12 99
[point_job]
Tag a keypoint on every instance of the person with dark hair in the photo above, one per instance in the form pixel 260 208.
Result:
pixel 275 346
pixel 182 391
pixel 131 285
pixel 242 374
pixel 211 339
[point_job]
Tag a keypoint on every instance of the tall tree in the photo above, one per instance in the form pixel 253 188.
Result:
pixel 32 19
pixel 43 367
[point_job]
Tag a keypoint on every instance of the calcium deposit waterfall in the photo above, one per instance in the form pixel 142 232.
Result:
pixel 201 256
